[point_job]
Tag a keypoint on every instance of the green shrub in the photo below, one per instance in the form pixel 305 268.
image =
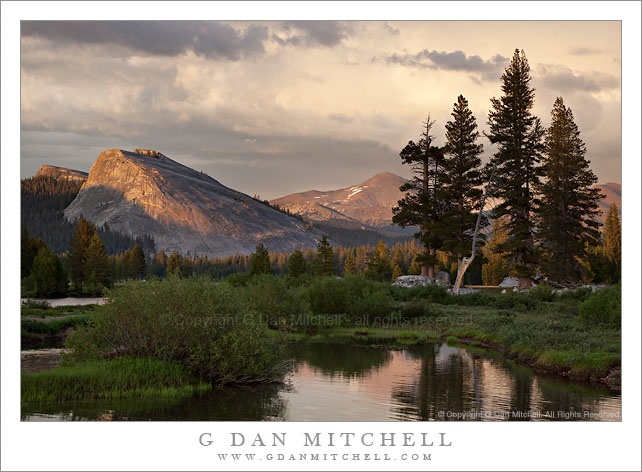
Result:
pixel 270 296
pixel 206 326
pixel 238 280
pixel 353 295
pixel 328 296
pixel 603 307
pixel 415 309
pixel 432 293
pixel 578 294
pixel 542 292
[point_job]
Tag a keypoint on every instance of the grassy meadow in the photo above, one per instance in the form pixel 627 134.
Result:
pixel 181 336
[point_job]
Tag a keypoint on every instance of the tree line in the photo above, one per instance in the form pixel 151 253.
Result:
pixel 43 200
pixel 546 216
pixel 87 268
pixel 87 265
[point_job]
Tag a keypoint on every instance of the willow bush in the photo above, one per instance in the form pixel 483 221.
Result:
pixel 208 327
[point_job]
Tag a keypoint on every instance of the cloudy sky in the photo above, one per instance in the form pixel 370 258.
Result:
pixel 272 108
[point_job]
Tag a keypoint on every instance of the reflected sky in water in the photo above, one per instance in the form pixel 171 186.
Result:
pixel 338 382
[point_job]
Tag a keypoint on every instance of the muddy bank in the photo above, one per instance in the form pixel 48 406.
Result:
pixel 36 360
pixel 69 301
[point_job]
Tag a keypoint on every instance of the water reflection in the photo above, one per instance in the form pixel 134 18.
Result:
pixel 338 382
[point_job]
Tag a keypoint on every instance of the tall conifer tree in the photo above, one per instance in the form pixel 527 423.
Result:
pixel 462 176
pixel 96 268
pixel 569 203
pixel 421 205
pixel 518 135
pixel 260 261
pixel 297 264
pixel 325 257
pixel 83 232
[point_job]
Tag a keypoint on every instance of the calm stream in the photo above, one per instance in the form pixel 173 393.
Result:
pixel 336 382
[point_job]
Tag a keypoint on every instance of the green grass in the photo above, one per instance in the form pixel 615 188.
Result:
pixel 29 326
pixel 109 379
pixel 371 335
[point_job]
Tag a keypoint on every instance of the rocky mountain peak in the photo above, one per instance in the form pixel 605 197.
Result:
pixel 184 210
pixel 47 170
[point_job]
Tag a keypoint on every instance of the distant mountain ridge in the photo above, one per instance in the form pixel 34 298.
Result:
pixel 61 172
pixel 147 193
pixel 369 202
pixel 613 192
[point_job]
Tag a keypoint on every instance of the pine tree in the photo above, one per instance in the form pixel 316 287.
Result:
pixel 462 176
pixel 29 248
pixel 396 272
pixel 518 135
pixel 398 257
pixel 80 241
pixel 350 264
pixel 260 261
pixel 96 267
pixel 421 205
pixel 297 265
pixel 138 262
pixel 415 268
pixel 613 244
pixel 48 274
pixel 569 203
pixel 497 267
pixel 173 263
pixel 613 235
pixel 186 267
pixel 325 258
pixel 379 264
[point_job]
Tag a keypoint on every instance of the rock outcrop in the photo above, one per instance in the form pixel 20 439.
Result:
pixel 61 172
pixel 413 281
pixel 509 282
pixel 184 210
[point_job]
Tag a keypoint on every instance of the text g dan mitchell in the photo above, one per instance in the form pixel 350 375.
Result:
pixel 344 439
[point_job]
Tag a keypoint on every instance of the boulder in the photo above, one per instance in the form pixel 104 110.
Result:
pixel 413 281
pixel 509 282
pixel 442 278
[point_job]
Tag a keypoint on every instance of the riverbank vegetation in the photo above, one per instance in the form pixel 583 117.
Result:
pixel 239 332
pixel 110 379
pixel 43 326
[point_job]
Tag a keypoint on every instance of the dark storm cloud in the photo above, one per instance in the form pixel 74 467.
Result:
pixel 160 38
pixel 452 61
pixel 563 79
pixel 314 33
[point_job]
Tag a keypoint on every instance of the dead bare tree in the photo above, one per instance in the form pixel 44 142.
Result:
pixel 467 261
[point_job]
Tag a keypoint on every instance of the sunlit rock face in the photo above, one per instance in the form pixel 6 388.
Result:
pixel 184 210
pixel 61 172
pixel 369 202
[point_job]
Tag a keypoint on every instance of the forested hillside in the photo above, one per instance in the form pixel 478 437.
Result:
pixel 43 200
